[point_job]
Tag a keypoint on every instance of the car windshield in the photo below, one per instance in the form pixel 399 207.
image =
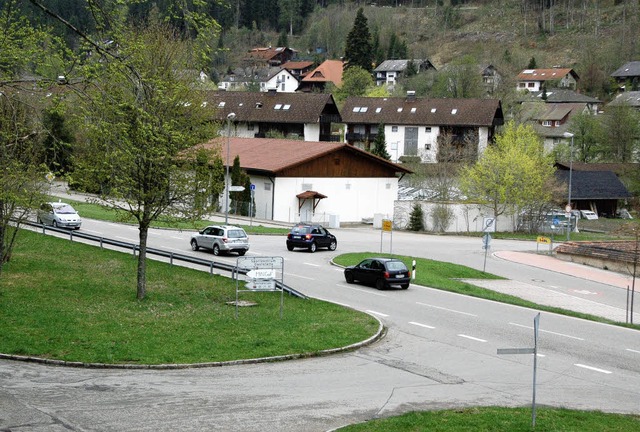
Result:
pixel 300 230
pixel 65 209
pixel 236 233
pixel 396 265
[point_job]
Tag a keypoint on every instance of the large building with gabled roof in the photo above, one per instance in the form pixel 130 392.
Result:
pixel 311 181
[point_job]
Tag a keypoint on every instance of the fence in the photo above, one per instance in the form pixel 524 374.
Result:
pixel 172 256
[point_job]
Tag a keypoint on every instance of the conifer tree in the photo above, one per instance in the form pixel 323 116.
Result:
pixel 358 51
pixel 380 145
pixel 416 218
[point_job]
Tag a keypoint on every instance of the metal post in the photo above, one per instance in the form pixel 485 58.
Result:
pixel 230 118
pixel 569 208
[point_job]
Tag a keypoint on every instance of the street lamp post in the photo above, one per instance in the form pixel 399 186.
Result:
pixel 230 117
pixel 569 208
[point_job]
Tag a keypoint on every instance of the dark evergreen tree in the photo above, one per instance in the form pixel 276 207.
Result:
pixel 358 50
pixel 532 63
pixel 58 144
pixel 380 145
pixel 411 69
pixel 283 40
pixel 240 200
pixel 416 222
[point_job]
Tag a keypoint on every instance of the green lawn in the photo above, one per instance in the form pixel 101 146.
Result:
pixel 496 419
pixel 76 302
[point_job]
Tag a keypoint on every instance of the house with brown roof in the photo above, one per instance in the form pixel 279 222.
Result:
pixel 298 69
pixel 628 76
pixel 281 81
pixel 416 127
pixel 295 115
pixel 297 181
pixel 551 120
pixel 389 71
pixel 329 71
pixel 271 56
pixel 534 80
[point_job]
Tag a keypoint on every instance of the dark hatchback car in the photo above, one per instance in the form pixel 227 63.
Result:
pixel 311 237
pixel 380 272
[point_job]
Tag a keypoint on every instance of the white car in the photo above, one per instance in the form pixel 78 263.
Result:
pixel 221 238
pixel 59 215
pixel 588 214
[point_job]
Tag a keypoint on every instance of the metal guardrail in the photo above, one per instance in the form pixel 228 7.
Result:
pixel 158 252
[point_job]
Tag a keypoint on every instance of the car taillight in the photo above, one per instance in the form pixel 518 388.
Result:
pixel 289 236
pixel 408 273
pixel 308 236
pixel 386 275
pixel 224 239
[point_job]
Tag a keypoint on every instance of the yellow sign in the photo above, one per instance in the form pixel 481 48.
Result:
pixel 386 225
pixel 545 240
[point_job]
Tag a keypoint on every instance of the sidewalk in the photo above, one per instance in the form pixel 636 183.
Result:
pixel 549 297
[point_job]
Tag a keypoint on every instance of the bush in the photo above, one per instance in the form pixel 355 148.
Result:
pixel 416 219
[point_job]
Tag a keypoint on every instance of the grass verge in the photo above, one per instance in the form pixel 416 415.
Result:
pixel 497 419
pixel 445 276
pixel 75 302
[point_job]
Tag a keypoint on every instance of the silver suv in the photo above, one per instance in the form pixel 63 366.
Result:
pixel 221 238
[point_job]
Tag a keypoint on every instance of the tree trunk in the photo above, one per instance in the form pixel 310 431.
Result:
pixel 142 262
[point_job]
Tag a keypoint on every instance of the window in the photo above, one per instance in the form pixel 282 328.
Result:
pixel 250 127
pixel 400 109
pixel 454 111
pixel 287 106
pixel 394 128
pixel 531 85
pixel 433 110
pixel 277 106
pixel 356 109
pixel 546 123
pixel 427 146
pixel 413 110
pixel 221 105
pixel 267 186
pixel 427 129
pixel 378 109
pixel 557 123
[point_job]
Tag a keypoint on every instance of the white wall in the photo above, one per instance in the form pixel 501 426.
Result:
pixel 466 217
pixel 312 132
pixel 351 199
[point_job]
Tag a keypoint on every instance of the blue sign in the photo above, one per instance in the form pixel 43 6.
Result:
pixel 556 221
pixel 253 187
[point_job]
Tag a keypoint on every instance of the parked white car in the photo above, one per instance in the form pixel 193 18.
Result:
pixel 588 214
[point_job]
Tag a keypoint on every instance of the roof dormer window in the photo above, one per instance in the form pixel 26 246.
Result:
pixel 277 107
pixel 454 111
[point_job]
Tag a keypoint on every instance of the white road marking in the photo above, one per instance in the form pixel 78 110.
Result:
pixel 421 325
pixel 448 310
pixel 377 313
pixel 472 338
pixel 547 331
pixel 333 301
pixel 313 265
pixel 593 368
pixel 362 290
pixel 584 292
pixel 633 351
pixel 176 237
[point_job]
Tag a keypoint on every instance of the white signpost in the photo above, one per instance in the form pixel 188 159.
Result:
pixel 261 275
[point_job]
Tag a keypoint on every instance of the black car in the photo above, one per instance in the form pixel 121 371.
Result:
pixel 381 272
pixel 311 237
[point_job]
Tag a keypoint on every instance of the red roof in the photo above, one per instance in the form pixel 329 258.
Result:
pixel 328 71
pixel 545 74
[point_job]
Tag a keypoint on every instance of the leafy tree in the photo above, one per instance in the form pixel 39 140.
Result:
pixel 58 143
pixel 142 118
pixel 512 174
pixel 380 144
pixel 587 131
pixel 22 182
pixel 355 82
pixel 358 50
pixel 416 218
pixel 460 80
pixel 621 125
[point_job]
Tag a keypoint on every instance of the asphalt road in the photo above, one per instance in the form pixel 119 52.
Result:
pixel 440 352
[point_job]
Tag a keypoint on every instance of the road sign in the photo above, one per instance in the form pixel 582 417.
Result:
pixel 236 188
pixel 544 240
pixel 249 263
pixel 262 274
pixel 261 285
pixel 252 187
pixel 489 224
pixel 387 225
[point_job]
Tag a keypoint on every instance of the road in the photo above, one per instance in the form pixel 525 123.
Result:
pixel 440 352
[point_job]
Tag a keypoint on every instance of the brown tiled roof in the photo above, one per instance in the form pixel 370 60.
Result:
pixel 272 107
pixel 274 155
pixel 329 70
pixel 266 53
pixel 545 74
pixel 294 65
pixel 422 111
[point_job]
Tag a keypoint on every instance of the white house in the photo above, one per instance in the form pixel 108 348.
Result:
pixel 282 81
pixel 534 80
pixel 389 71
pixel 416 127
pixel 297 181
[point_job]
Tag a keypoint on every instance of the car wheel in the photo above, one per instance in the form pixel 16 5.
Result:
pixel 194 245
pixel 333 245
pixel 289 247
pixel 54 224
pixel 242 252
pixel 216 249
pixel 349 277
pixel 380 284
pixel 404 286
pixel 313 247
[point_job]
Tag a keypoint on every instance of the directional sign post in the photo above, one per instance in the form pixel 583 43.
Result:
pixel 261 276
pixel 534 351
pixel 486 244
pixel 387 226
